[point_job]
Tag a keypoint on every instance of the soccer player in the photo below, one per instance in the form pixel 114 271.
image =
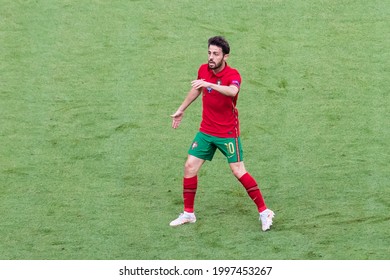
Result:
pixel 219 85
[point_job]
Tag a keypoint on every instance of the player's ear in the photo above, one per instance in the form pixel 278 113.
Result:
pixel 225 56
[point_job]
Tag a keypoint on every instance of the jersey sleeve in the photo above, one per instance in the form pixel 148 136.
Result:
pixel 235 79
pixel 202 69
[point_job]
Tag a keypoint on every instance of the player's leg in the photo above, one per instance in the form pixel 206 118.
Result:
pixel 232 149
pixel 251 187
pixel 200 151
pixel 190 182
pixel 190 185
pixel 249 183
pixel 192 166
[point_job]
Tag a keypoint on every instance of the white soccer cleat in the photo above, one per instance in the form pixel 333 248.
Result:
pixel 183 218
pixel 266 219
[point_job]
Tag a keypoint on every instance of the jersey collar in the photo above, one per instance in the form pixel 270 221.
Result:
pixel 220 74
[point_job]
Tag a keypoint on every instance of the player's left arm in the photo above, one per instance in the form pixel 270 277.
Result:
pixel 231 90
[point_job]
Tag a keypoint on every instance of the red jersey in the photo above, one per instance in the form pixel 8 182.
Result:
pixel 219 115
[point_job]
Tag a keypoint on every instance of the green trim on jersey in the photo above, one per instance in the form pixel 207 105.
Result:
pixel 204 147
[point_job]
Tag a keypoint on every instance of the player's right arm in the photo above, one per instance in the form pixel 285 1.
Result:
pixel 178 115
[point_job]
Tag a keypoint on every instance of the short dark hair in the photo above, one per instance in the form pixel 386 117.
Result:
pixel 221 42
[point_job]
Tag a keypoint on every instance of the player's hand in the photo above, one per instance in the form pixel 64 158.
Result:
pixel 176 118
pixel 197 84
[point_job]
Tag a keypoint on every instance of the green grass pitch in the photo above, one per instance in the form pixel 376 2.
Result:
pixel 91 169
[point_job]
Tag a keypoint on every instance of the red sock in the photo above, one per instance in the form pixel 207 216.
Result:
pixel 253 191
pixel 189 191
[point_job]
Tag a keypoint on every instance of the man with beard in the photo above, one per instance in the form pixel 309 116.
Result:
pixel 219 85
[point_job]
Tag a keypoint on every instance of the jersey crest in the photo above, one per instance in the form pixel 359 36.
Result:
pixel 194 145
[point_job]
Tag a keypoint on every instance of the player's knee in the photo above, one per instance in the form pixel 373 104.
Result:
pixel 238 170
pixel 237 173
pixel 190 169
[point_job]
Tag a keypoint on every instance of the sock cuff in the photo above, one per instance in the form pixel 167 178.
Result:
pixel 247 181
pixel 190 183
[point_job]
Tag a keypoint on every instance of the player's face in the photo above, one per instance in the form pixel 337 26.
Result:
pixel 216 58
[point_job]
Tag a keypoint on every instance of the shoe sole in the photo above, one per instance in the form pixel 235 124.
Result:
pixel 186 222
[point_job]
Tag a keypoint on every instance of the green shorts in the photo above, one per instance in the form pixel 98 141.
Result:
pixel 204 147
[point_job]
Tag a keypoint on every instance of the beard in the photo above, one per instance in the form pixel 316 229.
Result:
pixel 213 65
